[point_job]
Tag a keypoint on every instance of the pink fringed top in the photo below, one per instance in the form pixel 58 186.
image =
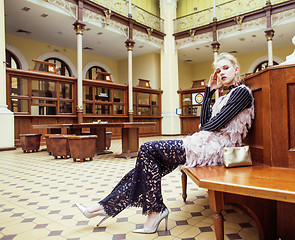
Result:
pixel 206 147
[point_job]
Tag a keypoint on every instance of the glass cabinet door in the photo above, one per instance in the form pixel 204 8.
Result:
pixel 154 99
pixel 19 91
pixel 102 94
pixel 118 96
pixel 143 98
pixel 187 104
pixel 87 93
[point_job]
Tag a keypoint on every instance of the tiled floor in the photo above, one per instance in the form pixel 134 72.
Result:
pixel 38 192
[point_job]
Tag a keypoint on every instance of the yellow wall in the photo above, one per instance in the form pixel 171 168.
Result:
pixel 151 6
pixel 32 49
pixel 185 74
pixel 203 70
pixel 145 67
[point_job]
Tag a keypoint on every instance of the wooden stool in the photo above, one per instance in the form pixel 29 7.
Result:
pixel 59 146
pixel 30 142
pixel 82 147
pixel 108 139
pixel 48 142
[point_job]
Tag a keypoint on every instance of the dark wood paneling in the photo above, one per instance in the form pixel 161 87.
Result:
pixel 279 118
pixel 263 212
pixel 189 125
pixel 23 124
pixel 291 117
pixel 286 220
pixel 275 116
pixel 255 134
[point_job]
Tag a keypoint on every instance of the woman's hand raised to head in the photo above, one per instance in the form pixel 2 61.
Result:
pixel 213 84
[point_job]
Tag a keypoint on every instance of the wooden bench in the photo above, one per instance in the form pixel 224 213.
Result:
pixel 256 189
pixel 265 190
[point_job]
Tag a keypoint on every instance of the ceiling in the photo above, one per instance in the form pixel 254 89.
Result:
pixel 56 29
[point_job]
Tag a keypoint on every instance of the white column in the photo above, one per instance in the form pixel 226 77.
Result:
pixel 270 55
pixel 130 45
pixel 130 92
pixel 6 116
pixel 214 9
pixel 169 71
pixel 269 34
pixel 216 92
pixel 79 71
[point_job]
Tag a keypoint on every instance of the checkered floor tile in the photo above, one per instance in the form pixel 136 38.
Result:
pixel 38 193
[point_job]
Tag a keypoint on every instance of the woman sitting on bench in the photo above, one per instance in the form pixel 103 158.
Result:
pixel 223 126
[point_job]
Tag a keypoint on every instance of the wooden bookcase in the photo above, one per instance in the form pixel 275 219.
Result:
pixel 190 104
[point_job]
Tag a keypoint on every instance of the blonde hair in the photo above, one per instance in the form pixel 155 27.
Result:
pixel 232 60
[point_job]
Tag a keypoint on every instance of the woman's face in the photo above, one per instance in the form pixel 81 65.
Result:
pixel 226 72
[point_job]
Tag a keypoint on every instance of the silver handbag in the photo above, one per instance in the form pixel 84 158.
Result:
pixel 237 156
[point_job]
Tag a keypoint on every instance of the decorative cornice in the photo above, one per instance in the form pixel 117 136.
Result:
pixel 239 20
pixel 149 32
pixel 69 8
pixel 100 20
pixel 280 17
pixel 108 14
pixel 247 27
pixel 151 40
pixel 198 39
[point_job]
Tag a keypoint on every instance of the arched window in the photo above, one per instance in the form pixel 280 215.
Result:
pixel 61 67
pixel 12 60
pixel 92 72
pixel 263 65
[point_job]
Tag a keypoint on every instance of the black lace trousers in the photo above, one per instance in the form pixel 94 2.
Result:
pixel 141 187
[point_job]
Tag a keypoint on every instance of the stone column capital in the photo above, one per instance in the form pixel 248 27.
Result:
pixel 269 33
pixel 129 43
pixel 79 27
pixel 215 46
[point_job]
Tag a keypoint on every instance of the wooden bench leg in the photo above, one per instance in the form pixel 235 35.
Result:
pixel 216 202
pixel 184 185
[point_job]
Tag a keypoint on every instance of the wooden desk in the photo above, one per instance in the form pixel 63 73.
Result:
pixel 130 134
pixel 256 188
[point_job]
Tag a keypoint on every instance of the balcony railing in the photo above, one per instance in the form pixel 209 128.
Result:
pixel 223 11
pixel 138 14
